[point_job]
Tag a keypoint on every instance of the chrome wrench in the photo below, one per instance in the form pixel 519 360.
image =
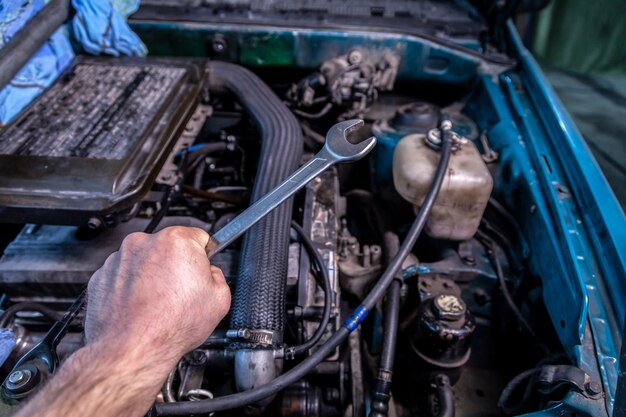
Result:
pixel 336 149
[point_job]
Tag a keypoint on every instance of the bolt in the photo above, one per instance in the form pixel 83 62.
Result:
pixel 18 379
pixel 219 44
pixel 469 260
pixel 593 388
pixel 238 334
pixel 355 57
pixel 94 223
pixel 198 357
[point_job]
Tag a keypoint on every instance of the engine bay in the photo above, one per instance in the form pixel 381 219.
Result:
pixel 466 319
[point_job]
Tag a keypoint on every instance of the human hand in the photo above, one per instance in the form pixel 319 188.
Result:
pixel 157 291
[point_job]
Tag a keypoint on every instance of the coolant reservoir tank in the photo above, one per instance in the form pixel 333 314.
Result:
pixel 465 190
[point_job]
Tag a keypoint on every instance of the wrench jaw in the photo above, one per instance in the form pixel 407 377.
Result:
pixel 340 148
pixel 337 149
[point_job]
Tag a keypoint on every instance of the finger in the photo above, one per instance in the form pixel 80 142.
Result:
pixel 199 236
pixel 217 274
pixel 187 234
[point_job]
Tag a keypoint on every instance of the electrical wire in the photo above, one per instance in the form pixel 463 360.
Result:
pixel 328 107
pixel 318 261
pixel 488 243
pixel 283 381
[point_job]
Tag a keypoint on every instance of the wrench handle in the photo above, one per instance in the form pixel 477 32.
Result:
pixel 250 216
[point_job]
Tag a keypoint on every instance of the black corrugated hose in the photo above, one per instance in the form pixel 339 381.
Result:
pixel 259 295
pixel 247 397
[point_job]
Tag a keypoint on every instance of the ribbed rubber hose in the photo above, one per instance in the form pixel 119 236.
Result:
pixel 259 296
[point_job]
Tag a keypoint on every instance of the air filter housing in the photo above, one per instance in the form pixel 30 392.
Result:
pixel 92 144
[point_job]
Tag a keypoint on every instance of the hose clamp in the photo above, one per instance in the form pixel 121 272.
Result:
pixel 254 336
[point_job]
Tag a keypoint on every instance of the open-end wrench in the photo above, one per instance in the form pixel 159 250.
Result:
pixel 336 149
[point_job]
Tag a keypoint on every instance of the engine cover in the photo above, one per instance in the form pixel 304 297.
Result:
pixel 91 146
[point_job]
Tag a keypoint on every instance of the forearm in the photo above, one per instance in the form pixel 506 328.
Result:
pixel 101 380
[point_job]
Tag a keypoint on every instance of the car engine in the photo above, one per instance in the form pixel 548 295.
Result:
pixel 159 142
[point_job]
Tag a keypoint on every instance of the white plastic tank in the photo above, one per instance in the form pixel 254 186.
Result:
pixel 465 191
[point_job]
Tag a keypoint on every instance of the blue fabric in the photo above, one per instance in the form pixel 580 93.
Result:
pixel 99 27
pixel 7 343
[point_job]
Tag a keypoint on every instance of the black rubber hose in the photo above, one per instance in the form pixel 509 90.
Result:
pixel 381 393
pixel 247 397
pixel 197 155
pixel 382 387
pixel 318 261
pixel 259 295
pixel 10 312
pixel 392 311
pixel 392 307
pixel 445 396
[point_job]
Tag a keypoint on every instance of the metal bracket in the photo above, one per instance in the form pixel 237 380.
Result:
pixel 551 377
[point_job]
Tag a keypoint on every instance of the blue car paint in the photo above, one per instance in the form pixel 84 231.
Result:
pixel 596 234
pixel 568 191
pixel 278 46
